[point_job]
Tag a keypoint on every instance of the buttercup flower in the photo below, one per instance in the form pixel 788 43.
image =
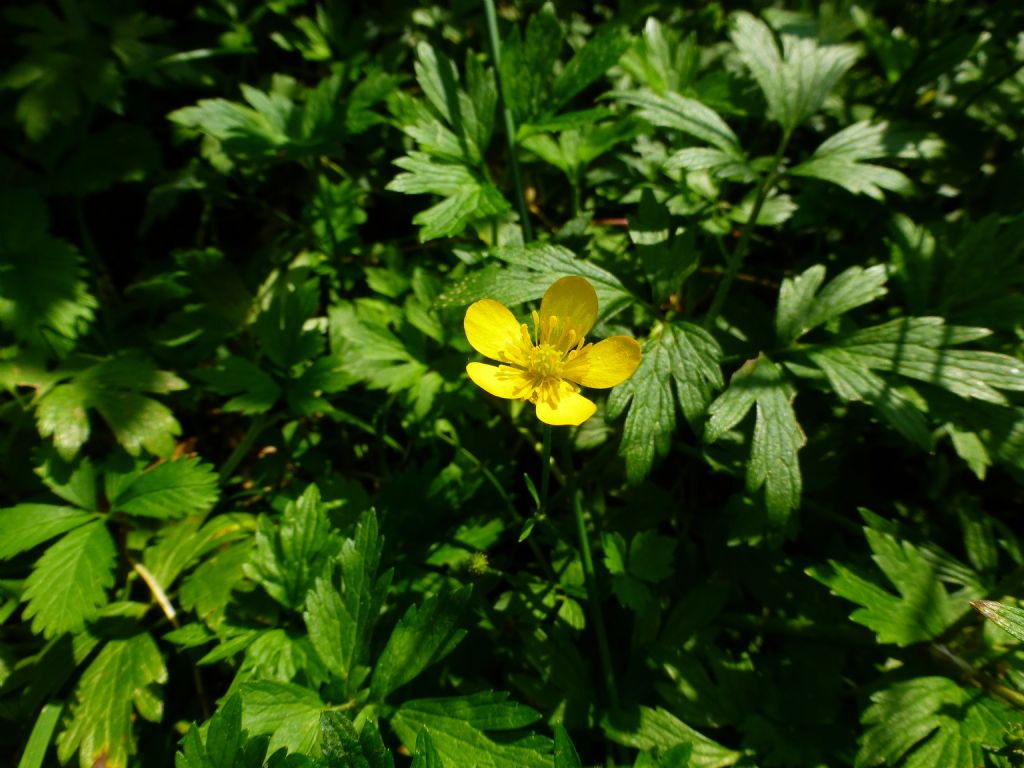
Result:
pixel 548 367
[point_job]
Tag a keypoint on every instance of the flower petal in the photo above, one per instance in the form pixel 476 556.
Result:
pixel 570 408
pixel 605 364
pixel 491 328
pixel 500 380
pixel 573 299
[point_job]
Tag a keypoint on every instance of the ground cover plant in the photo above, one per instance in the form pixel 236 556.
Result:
pixel 512 385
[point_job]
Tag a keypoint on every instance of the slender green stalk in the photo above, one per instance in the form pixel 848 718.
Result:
pixel 594 601
pixel 510 124
pixel 545 472
pixel 256 426
pixel 735 262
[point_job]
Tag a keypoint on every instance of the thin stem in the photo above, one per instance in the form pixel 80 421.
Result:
pixel 545 471
pixel 256 426
pixel 739 253
pixel 157 591
pixel 593 599
pixel 510 125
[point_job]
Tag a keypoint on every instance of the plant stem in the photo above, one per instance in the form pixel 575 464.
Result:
pixel 545 472
pixel 596 613
pixel 510 125
pixel 735 261
pixel 257 425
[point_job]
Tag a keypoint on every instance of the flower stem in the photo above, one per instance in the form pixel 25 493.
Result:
pixel 545 472
pixel 596 614
pixel 256 426
pixel 510 125
pixel 735 261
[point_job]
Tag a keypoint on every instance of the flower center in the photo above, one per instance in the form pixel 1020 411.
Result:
pixel 544 361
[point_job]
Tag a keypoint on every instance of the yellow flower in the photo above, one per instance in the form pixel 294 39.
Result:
pixel 548 367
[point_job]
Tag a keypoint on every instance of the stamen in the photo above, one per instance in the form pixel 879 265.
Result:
pixel 536 328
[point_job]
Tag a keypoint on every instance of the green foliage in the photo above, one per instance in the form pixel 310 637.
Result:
pixel 256 514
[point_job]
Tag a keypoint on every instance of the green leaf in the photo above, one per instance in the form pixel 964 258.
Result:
pixel 44 299
pixel 804 304
pixel 426 755
pixel 851 381
pixel 170 489
pixel 282 325
pixel 468 196
pixel 288 713
pixel 289 556
pixel 459 728
pixel 344 747
pixel 27 525
pixel 1005 617
pixel 114 387
pixel 453 133
pixel 565 752
pixel 661 730
pixel 254 391
pixel 599 54
pixel 670 110
pixel 123 676
pixel 917 348
pixel 683 354
pixel 226 744
pixel 932 721
pixel 840 160
pixel 527 64
pixel 531 270
pixel 340 620
pixel 423 636
pixel 922 609
pixel 661 59
pixel 796 81
pixel 368 349
pixel 651 556
pixel 668 257
pixel 68 584
pixel 777 434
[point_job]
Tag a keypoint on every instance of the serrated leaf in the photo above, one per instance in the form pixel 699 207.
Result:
pixel 340 620
pixel 114 387
pixel 288 713
pixel 282 326
pixel 530 271
pixel 777 439
pixel 651 556
pixel 169 490
pixel 565 752
pixel 802 306
pixel 683 354
pixel 253 390
pixel 44 299
pixel 670 110
pixel 922 609
pixel 289 556
pixel 917 348
pixel 931 721
pixel 853 382
pixel 469 197
pixel 597 56
pixel 841 160
pixel 123 676
pixel 426 755
pixel 423 636
pixel 1005 617
pixel 796 81
pixel 459 728
pixel 28 525
pixel 69 583
pixel 369 351
pixel 659 729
